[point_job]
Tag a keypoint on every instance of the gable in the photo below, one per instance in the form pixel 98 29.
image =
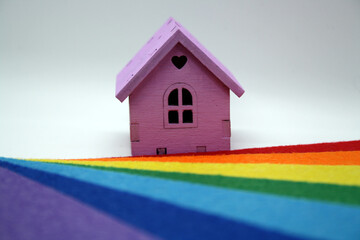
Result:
pixel 166 74
pixel 149 56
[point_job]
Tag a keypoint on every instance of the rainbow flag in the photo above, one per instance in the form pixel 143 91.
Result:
pixel 290 192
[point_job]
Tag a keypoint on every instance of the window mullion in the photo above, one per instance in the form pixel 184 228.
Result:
pixel 168 108
pixel 180 108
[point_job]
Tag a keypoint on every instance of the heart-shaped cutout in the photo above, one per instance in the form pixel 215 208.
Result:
pixel 179 62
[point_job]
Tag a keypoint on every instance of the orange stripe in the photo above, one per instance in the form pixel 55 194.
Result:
pixel 320 158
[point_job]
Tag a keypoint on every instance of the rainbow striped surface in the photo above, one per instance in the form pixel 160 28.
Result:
pixel 291 192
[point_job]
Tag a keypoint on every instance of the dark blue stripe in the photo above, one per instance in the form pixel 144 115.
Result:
pixel 159 218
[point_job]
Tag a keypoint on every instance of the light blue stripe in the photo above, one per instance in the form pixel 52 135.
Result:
pixel 301 217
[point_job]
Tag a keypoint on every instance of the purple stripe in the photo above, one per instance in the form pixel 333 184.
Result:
pixel 29 210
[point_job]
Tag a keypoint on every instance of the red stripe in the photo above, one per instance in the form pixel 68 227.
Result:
pixel 317 147
pixel 302 148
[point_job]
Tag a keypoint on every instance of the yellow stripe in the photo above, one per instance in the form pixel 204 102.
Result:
pixel 334 174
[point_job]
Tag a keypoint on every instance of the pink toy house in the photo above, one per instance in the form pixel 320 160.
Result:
pixel 178 94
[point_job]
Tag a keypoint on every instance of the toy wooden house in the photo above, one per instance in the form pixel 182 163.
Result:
pixel 178 95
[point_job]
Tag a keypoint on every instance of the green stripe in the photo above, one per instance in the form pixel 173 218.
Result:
pixel 315 191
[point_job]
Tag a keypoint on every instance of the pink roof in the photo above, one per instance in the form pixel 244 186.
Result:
pixel 170 34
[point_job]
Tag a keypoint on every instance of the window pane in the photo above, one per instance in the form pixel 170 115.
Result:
pixel 186 97
pixel 173 98
pixel 173 117
pixel 187 116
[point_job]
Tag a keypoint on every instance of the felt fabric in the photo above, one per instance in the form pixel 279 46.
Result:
pixel 321 158
pixel 287 215
pixel 332 174
pixel 316 191
pixel 303 148
pixel 288 192
pixel 29 210
pixel 167 221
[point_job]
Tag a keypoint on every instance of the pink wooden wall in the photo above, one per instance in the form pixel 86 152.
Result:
pixel 147 127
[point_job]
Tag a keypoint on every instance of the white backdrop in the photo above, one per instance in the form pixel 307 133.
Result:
pixel 298 61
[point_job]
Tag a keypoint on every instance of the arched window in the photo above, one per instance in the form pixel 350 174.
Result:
pixel 180 106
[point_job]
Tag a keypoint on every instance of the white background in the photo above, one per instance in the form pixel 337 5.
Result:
pixel 298 61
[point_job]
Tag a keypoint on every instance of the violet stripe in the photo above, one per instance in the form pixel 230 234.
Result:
pixel 29 210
